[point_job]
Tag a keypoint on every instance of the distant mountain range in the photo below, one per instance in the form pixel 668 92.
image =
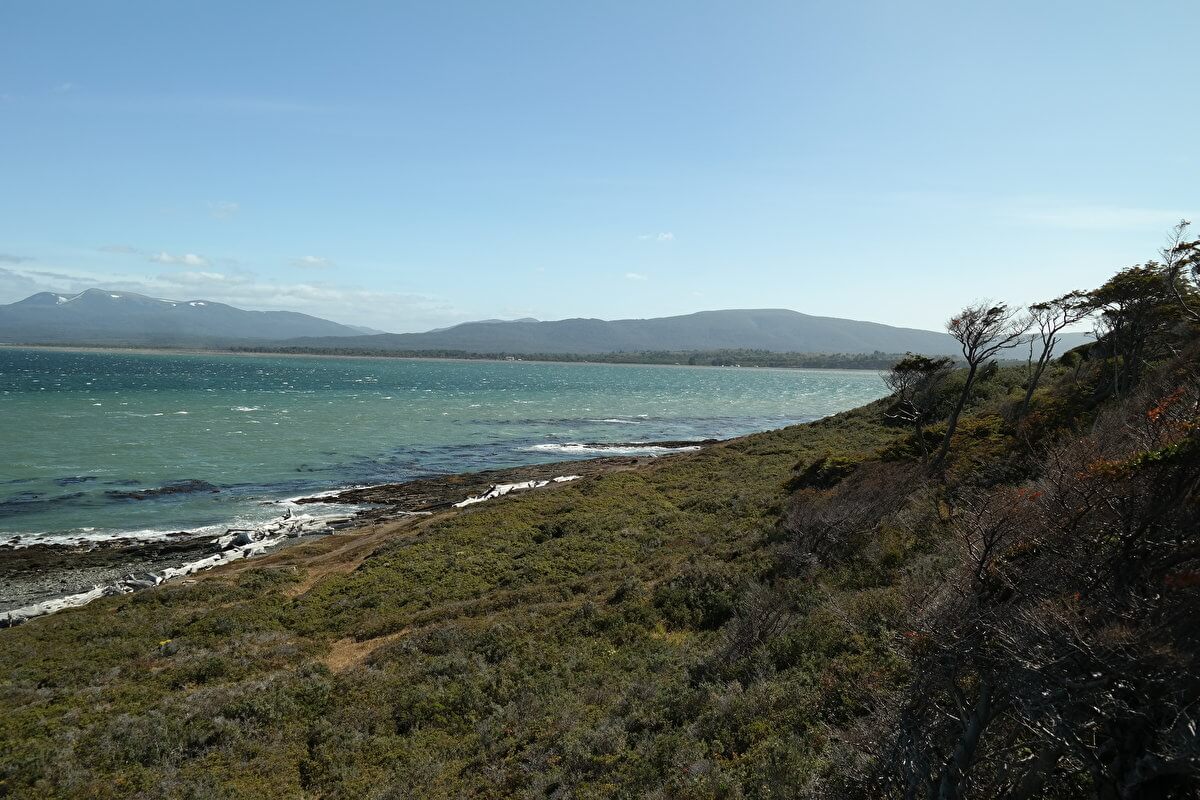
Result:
pixel 774 329
pixel 99 316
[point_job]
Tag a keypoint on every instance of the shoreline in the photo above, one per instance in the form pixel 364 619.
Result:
pixel 200 351
pixel 36 579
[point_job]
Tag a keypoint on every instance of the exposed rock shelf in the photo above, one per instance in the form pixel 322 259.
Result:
pixel 39 579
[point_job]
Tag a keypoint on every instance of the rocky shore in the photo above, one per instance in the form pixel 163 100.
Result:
pixel 41 576
pixel 40 571
pixel 440 493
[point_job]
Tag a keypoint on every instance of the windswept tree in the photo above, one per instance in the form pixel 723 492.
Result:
pixel 916 381
pixel 1050 319
pixel 1181 260
pixel 982 331
pixel 1060 656
pixel 1137 306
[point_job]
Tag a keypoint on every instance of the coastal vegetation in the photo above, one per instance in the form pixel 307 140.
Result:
pixel 986 585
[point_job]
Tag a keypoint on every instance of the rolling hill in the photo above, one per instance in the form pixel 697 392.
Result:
pixel 776 330
pixel 99 316
pixel 103 317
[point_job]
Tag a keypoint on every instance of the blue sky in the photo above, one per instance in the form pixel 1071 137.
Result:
pixel 407 165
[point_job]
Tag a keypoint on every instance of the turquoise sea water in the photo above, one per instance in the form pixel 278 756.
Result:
pixel 76 426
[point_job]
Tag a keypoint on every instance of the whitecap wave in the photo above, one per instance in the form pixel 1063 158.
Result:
pixel 79 537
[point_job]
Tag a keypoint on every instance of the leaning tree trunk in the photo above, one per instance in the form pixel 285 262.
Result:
pixel 952 786
pixel 940 459
pixel 921 439
pixel 1034 379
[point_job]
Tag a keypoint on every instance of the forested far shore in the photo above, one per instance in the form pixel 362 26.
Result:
pixel 693 358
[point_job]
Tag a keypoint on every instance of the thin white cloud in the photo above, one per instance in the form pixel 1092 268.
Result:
pixel 186 260
pixel 664 236
pixel 635 276
pixel 312 262
pixel 385 310
pixel 118 248
pixel 20 282
pixel 205 279
pixel 66 86
pixel 16 285
pixel 223 209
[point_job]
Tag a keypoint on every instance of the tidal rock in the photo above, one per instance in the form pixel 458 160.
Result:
pixel 175 487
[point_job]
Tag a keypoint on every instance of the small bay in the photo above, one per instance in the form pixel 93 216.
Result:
pixel 83 434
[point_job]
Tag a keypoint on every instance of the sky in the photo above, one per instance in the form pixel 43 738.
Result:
pixel 413 165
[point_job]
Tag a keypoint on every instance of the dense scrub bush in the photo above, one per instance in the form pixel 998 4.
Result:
pixel 827 527
pixel 822 473
pixel 699 597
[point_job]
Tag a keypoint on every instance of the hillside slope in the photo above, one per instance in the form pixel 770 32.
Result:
pixel 741 621
pixel 819 611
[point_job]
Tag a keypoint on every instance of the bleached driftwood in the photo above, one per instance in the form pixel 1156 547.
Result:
pixel 19 615
pixel 234 544
pixel 501 489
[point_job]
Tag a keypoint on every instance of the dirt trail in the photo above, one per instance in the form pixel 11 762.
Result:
pixel 345 654
pixel 346 550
